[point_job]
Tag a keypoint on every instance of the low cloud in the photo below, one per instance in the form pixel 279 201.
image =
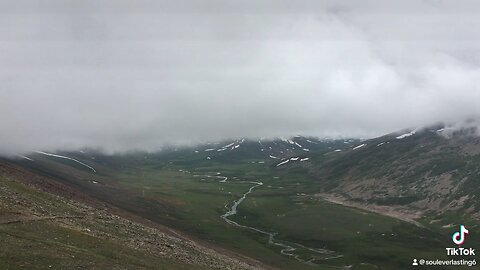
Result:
pixel 124 75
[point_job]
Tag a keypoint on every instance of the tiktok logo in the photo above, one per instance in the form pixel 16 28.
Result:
pixel 459 237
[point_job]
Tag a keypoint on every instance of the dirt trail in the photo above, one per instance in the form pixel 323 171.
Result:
pixel 6 220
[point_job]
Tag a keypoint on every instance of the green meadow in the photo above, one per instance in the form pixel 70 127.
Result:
pixel 284 205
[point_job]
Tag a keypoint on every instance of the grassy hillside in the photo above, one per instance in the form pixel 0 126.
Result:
pixel 40 230
pixel 430 174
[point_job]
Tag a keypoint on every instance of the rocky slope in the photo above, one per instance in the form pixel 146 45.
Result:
pixel 42 230
pixel 427 172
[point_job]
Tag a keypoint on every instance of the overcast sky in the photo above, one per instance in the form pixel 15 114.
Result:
pixel 138 74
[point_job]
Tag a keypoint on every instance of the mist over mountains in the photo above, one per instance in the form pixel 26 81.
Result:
pixel 220 134
pixel 118 76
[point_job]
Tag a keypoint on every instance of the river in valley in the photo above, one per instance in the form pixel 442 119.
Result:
pixel 286 248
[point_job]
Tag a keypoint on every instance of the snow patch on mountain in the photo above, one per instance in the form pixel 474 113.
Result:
pixel 358 147
pixel 228 145
pixel 403 136
pixel 69 158
pixel 283 162
pixel 25 157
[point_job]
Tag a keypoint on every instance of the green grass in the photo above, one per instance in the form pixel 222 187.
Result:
pixel 360 236
pixel 44 245
pixel 196 208
pixel 365 240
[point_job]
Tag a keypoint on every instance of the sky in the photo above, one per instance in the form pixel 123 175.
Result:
pixel 136 75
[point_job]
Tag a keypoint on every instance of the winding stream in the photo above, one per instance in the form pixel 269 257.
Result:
pixel 286 249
